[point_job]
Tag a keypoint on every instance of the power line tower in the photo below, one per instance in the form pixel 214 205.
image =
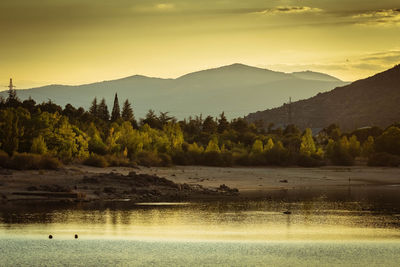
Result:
pixel 11 86
pixel 12 94
pixel 290 111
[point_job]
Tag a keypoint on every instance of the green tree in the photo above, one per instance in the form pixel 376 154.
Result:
pixel 102 110
pixel 63 140
pixel 291 129
pixel 223 124
pixel 152 120
pixel 240 125
pixel 164 118
pixel 39 145
pixel 95 143
pixel 12 128
pixel 257 147
pixel 213 146
pixel 354 146
pixel 344 143
pixel 210 125
pixel 339 153
pixel 127 112
pixel 115 113
pixel 269 145
pixel 307 146
pixel 94 108
pixel 195 148
pixel 333 131
pixel 368 147
pixel 389 141
pixel 174 134
pixel 111 141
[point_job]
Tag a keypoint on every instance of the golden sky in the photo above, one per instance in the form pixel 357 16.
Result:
pixel 82 41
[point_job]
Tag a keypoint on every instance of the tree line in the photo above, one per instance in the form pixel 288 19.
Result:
pixel 47 133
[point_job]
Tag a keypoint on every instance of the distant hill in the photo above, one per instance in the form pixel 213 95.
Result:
pixel 236 89
pixel 367 102
pixel 317 76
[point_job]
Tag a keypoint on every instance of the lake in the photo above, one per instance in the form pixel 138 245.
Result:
pixel 242 233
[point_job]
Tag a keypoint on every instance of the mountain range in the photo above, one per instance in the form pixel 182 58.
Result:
pixel 374 101
pixel 235 89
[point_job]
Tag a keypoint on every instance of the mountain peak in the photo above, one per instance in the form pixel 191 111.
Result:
pixel 236 89
pixel 312 75
pixel 231 71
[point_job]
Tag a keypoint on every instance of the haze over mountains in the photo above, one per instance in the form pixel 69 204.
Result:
pixel 374 101
pixel 236 89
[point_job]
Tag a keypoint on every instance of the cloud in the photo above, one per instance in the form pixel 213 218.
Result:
pixel 381 17
pixel 165 6
pixel 388 57
pixel 288 10
pixel 353 67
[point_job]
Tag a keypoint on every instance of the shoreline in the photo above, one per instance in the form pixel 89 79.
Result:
pixel 79 183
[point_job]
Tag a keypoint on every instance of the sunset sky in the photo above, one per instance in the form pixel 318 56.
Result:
pixel 82 41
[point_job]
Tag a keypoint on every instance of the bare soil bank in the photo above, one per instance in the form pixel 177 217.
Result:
pixel 78 183
pixel 185 183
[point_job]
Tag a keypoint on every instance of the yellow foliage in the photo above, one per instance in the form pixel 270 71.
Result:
pixel 269 145
pixel 307 146
pixel 213 146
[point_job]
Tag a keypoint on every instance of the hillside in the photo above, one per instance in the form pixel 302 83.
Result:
pixel 236 89
pixel 371 101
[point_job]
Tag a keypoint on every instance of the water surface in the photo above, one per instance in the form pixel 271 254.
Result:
pixel 241 233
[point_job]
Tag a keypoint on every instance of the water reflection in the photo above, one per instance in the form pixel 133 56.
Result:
pixel 240 221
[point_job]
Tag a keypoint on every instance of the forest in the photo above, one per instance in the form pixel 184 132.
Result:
pixel 36 136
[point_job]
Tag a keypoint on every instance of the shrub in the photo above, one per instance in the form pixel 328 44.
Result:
pixel 117 161
pixel 28 161
pixel 277 157
pixel 96 161
pixel 195 157
pixel 165 159
pixel 341 157
pixel 182 158
pixel 309 161
pixel 227 159
pixel 4 159
pixel 242 159
pixel 212 158
pixel 148 158
pixel 257 159
pixel 25 161
pixel 49 163
pixel 383 159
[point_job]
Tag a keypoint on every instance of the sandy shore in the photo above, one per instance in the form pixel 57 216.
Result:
pixel 297 183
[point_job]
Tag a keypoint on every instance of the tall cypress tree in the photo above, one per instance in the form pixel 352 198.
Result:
pixel 127 112
pixel 94 107
pixel 223 123
pixel 12 94
pixel 116 113
pixel 102 110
